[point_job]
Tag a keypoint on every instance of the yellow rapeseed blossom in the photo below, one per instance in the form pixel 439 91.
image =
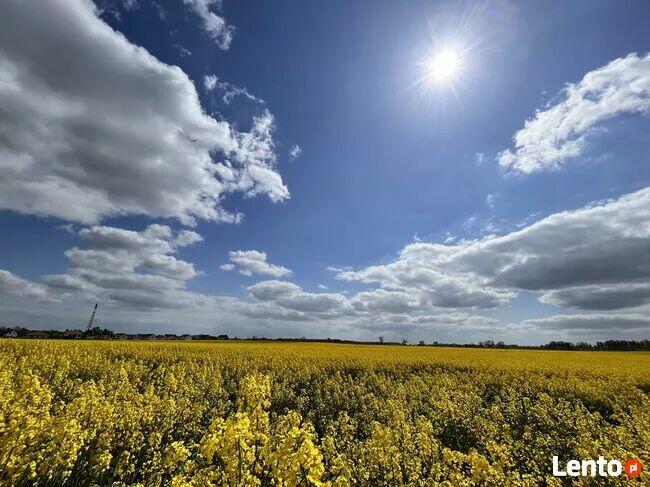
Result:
pixel 239 414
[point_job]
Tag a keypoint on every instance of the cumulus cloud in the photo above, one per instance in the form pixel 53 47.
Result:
pixel 112 130
pixel 129 268
pixel 214 25
pixel 560 132
pixel 590 322
pixel 288 296
pixel 230 91
pixel 458 323
pixel 249 262
pixel 382 301
pixel 420 272
pixel 140 272
pixel 600 297
pixel 596 257
pixel 257 175
pixel 12 285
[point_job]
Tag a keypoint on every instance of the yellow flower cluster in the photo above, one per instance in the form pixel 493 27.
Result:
pixel 273 414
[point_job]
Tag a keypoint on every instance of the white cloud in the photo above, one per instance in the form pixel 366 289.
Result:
pixel 214 25
pixel 109 272
pixel 11 284
pixel 601 296
pixel 210 82
pixel 69 150
pixel 419 273
pixel 594 258
pixel 295 152
pixel 382 301
pixel 255 174
pixel 490 199
pixel 288 296
pixel 182 51
pixel 560 132
pixel 249 262
pixel 230 91
pixel 590 322
pixel 129 268
pixel 597 257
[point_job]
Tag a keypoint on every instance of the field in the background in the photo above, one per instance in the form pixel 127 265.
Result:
pixel 242 413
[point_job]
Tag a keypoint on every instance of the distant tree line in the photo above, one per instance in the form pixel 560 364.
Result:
pixel 606 345
pixel 22 332
pixel 105 333
pixel 618 345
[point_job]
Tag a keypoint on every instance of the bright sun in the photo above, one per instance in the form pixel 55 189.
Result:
pixel 444 66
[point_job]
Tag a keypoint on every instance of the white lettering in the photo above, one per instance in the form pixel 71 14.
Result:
pixel 573 468
pixel 556 468
pixel 592 468
pixel 614 472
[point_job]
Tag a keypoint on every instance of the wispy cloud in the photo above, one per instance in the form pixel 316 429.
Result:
pixel 230 91
pixel 214 25
pixel 295 152
pixel 182 52
pixel 490 199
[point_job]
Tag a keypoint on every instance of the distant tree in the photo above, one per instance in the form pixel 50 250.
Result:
pixel 98 331
pixel 381 339
pixel 404 341
pixel 421 342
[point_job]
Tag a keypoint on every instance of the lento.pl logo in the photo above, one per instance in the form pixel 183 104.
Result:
pixel 600 468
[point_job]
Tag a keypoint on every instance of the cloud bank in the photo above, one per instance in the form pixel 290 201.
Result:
pixel 593 258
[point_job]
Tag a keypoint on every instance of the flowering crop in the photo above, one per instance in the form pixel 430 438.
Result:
pixel 304 414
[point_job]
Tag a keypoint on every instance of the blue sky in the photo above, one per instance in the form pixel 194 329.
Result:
pixel 398 216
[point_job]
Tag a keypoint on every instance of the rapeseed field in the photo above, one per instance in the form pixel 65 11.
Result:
pixel 313 414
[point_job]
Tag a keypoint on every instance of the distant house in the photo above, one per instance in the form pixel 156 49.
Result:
pixel 73 333
pixel 11 334
pixel 186 337
pixel 145 336
pixel 37 334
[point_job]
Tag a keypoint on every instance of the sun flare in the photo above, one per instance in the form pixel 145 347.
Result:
pixel 445 66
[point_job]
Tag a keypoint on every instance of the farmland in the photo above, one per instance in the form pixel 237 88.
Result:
pixel 267 413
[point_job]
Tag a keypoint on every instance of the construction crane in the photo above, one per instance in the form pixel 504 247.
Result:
pixel 92 318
